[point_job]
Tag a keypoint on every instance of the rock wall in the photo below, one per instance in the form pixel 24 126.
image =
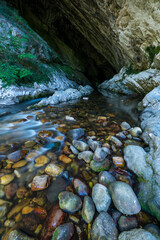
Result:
pixel 110 34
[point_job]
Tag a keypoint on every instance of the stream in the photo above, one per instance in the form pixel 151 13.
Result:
pixel 32 139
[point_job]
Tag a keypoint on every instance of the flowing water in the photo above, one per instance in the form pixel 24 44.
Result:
pixel 42 132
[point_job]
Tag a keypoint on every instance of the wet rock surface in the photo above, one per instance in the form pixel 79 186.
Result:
pixel 104 227
pixel 124 198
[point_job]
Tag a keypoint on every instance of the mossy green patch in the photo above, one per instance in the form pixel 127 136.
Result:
pixel 152 51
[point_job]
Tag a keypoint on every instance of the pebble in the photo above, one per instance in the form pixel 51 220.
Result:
pixel 65 159
pixel 116 141
pixel 40 183
pixel 104 228
pixel 41 161
pixel 6 179
pixel 88 209
pixel 127 223
pixel 55 218
pixel 94 144
pixel 45 133
pixel 80 187
pixel 69 202
pixel 27 210
pixel 118 161
pixel 10 190
pixel 125 126
pixel 81 146
pixel 17 234
pixel 99 154
pixel 66 150
pixel 41 212
pixel 68 118
pixel 3 210
pixel 17 208
pixel 101 197
pixel 135 132
pixel 30 144
pixel 9 223
pixel 54 170
pixel 105 178
pixel 19 164
pixel 75 133
pixel 64 231
pixel 124 198
pixel 100 166
pixel 31 156
pixel 21 192
pixel 87 156
pixel 15 156
pixel 74 150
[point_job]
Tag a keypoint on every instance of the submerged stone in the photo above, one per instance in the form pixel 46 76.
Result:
pixel 81 146
pixel 40 183
pixel 17 234
pixel 75 133
pixel 55 218
pixel 64 231
pixel 54 170
pixel 69 202
pixel 127 223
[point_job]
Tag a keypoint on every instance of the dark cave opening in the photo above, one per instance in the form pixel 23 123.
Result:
pixel 50 23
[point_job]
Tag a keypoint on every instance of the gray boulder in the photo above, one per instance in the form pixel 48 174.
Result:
pixel 124 198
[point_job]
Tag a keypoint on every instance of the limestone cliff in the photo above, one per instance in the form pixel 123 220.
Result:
pixel 118 31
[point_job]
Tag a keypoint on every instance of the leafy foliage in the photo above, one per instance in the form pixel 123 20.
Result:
pixel 130 70
pixel 152 51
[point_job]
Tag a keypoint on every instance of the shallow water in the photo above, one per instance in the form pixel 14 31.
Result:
pixel 23 125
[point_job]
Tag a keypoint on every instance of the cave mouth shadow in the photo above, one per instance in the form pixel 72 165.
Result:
pixel 48 20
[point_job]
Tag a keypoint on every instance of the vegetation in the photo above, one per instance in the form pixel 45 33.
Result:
pixel 130 70
pixel 152 51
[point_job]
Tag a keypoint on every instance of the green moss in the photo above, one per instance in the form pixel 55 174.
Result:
pixel 152 51
pixel 130 70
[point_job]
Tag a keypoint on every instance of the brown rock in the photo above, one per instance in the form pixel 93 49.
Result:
pixel 45 133
pixel 53 169
pixel 16 209
pixel 6 179
pixel 19 164
pixel 65 159
pixel 31 156
pixel 40 182
pixel 10 190
pixel 28 209
pixel 55 218
pixel 118 161
pixel 21 192
pixel 41 161
pixel 41 212
pixel 66 150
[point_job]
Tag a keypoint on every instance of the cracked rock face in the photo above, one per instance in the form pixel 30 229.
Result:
pixel 120 30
